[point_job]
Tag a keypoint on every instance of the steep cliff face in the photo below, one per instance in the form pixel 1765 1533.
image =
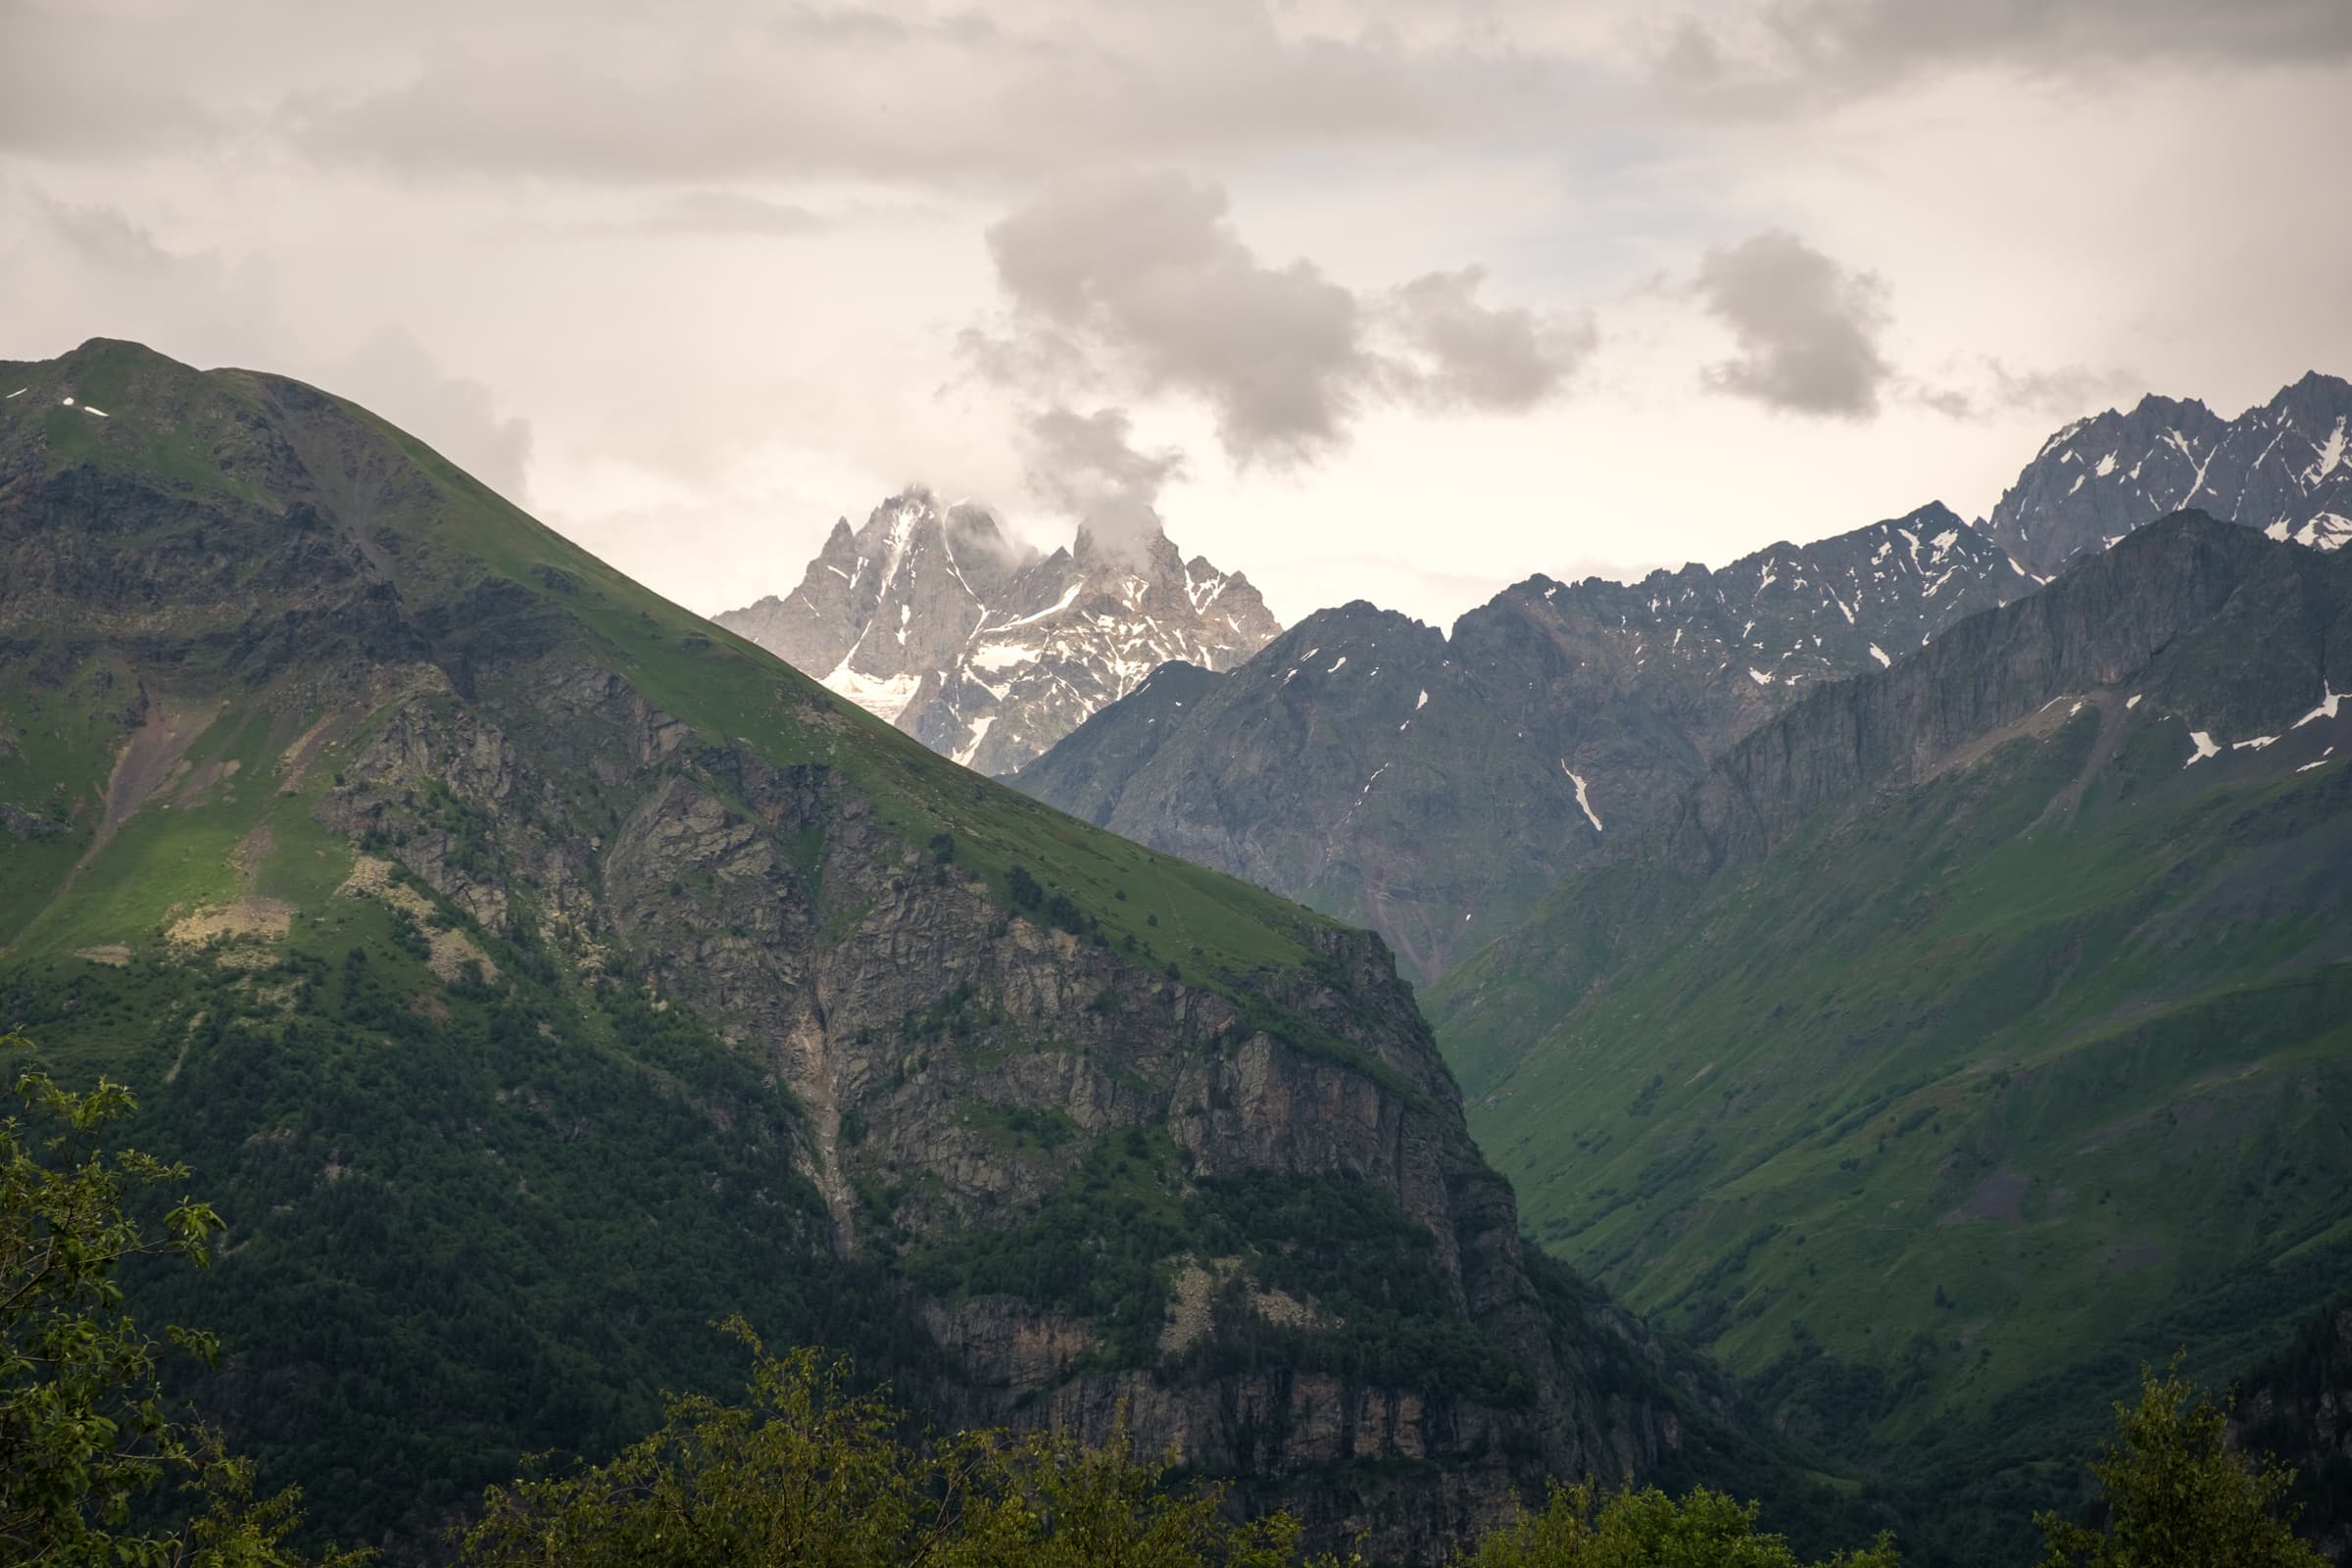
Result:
pixel 1434 788
pixel 2201 620
pixel 538 972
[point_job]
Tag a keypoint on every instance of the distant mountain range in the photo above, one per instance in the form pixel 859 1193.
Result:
pixel 2279 468
pixel 930 618
pixel 1434 787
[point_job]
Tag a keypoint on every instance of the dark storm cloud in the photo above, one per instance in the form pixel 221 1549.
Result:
pixel 1139 283
pixel 1807 329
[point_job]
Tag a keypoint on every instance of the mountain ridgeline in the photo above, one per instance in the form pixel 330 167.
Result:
pixel 1434 788
pixel 2278 469
pixel 1437 801
pixel 533 972
pixel 1971 1031
pixel 988 652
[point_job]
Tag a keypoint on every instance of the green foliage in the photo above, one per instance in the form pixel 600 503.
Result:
pixel 809 1474
pixel 1578 1528
pixel 2174 1495
pixel 1371 1270
pixel 1097 1247
pixel 1949 1037
pixel 85 1431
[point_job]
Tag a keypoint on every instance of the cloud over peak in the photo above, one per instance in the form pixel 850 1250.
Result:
pixel 1138 285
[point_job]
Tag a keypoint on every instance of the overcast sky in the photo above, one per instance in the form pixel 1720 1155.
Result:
pixel 1402 301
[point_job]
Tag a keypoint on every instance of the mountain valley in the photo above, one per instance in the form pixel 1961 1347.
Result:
pixel 533 973
pixel 1974 1029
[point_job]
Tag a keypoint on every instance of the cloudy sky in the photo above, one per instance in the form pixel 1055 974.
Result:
pixel 1366 298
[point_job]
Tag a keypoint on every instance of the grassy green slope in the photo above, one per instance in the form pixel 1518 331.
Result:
pixel 463 558
pixel 1974 1090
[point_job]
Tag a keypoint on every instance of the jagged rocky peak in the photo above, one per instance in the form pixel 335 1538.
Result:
pixel 2278 468
pixel 881 600
pixel 933 618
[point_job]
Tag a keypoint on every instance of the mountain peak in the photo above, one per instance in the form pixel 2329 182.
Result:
pixel 2277 468
pixel 933 619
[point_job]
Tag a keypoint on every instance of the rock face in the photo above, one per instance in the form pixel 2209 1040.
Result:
pixel 2279 468
pixel 1434 788
pixel 610 952
pixel 931 620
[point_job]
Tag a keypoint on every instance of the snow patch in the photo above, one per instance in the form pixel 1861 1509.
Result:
pixel 1420 702
pixel 885 699
pixel 2254 745
pixel 2106 465
pixel 1758 677
pixel 1054 608
pixel 101 412
pixel 2331 455
pixel 1001 656
pixel 2330 701
pixel 1334 668
pixel 1584 801
pixel 980 729
pixel 2322 763
pixel 17 393
pixel 1880 654
pixel 2132 702
pixel 2327 531
pixel 2204 745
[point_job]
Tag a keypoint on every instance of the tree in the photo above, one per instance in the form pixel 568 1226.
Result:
pixel 808 1474
pixel 1648 1529
pixel 2175 1497
pixel 85 1431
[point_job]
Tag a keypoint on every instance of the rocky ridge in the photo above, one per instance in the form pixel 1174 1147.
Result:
pixel 1432 787
pixel 2279 468
pixel 985 651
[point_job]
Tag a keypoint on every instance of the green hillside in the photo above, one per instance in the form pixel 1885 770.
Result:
pixel 1961 1046
pixel 534 973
